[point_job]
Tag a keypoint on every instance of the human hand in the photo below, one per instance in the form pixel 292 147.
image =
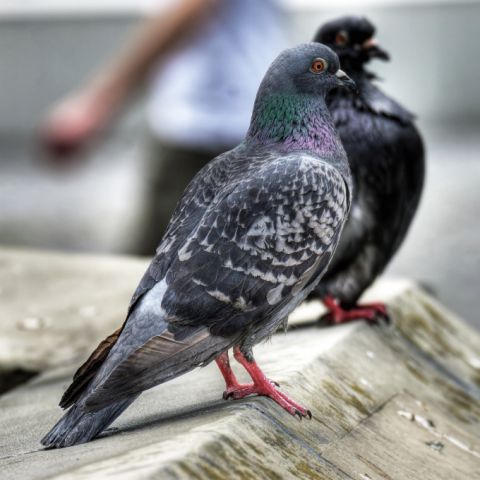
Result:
pixel 72 125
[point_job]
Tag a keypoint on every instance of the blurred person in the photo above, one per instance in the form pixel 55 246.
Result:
pixel 204 60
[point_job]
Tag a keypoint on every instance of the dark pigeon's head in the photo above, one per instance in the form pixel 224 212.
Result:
pixel 306 69
pixel 352 39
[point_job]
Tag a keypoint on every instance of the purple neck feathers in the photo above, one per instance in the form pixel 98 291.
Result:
pixel 289 123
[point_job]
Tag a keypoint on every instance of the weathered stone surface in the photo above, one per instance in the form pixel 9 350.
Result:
pixel 388 402
pixel 56 307
pixel 407 439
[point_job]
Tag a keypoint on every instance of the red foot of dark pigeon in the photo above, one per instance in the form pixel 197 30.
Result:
pixel 338 315
pixel 261 385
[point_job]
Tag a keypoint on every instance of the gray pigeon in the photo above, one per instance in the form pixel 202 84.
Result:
pixel 386 155
pixel 249 240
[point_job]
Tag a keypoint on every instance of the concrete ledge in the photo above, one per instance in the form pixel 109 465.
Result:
pixel 55 307
pixel 389 402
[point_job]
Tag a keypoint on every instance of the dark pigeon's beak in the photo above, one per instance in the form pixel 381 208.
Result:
pixel 343 80
pixel 374 51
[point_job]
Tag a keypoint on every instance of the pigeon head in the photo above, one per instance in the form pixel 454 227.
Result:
pixel 352 39
pixel 310 69
pixel 290 113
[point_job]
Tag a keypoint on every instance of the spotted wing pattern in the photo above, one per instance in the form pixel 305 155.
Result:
pixel 257 246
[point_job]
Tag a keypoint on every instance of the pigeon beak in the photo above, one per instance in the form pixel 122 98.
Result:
pixel 374 51
pixel 343 80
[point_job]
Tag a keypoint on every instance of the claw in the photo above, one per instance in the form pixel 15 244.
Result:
pixel 386 318
pixel 275 383
pixel 297 412
pixel 309 413
pixel 228 395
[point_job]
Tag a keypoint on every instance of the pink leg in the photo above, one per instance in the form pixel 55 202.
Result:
pixel 232 384
pixel 263 386
pixel 336 314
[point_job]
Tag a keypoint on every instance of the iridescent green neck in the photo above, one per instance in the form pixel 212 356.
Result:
pixel 294 122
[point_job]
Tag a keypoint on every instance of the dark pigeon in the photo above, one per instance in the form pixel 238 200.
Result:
pixel 249 240
pixel 386 157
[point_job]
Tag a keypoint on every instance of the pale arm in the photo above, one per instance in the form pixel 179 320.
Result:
pixel 83 114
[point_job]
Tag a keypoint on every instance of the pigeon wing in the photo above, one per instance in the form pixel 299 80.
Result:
pixel 196 199
pixel 259 246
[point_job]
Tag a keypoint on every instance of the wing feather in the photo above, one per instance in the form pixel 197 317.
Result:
pixel 266 239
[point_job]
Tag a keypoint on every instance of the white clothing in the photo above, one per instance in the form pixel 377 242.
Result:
pixel 202 97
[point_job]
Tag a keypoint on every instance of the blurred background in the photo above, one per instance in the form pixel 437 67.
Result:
pixel 96 203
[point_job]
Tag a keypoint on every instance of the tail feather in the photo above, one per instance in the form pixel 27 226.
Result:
pixel 159 360
pixel 135 358
pixel 77 427
pixel 88 370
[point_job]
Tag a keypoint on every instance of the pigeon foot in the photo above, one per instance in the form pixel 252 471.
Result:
pixel 338 315
pixel 269 391
pixel 261 385
pixel 232 384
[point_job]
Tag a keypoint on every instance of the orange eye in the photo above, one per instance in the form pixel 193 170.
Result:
pixel 341 38
pixel 318 65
